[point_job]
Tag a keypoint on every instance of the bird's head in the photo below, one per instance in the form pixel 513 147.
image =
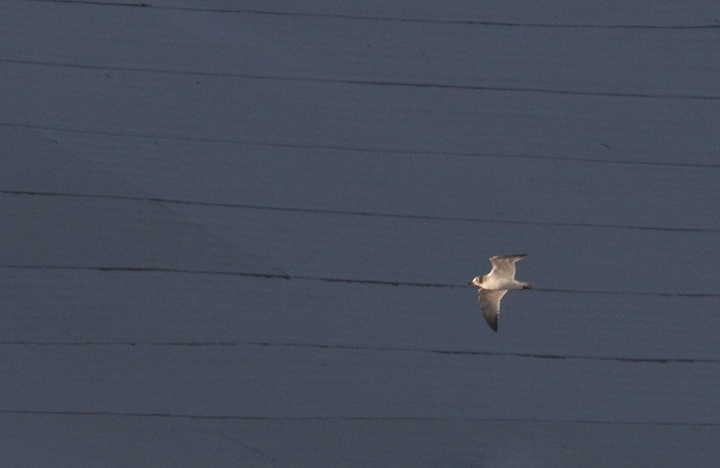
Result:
pixel 477 281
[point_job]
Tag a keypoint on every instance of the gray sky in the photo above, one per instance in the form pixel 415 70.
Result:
pixel 241 235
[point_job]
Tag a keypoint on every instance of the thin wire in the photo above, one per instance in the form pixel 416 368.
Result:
pixel 384 18
pixel 352 418
pixel 367 82
pixel 284 276
pixel 354 213
pixel 360 149
pixel 393 349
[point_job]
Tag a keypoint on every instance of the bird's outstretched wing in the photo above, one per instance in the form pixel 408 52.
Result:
pixel 504 265
pixel 490 305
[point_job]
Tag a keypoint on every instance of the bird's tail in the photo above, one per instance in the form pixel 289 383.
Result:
pixel 528 285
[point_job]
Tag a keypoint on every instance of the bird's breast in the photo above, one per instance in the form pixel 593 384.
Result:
pixel 498 283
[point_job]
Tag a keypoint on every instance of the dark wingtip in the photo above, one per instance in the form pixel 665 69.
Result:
pixel 493 323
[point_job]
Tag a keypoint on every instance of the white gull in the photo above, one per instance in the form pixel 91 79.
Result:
pixel 495 284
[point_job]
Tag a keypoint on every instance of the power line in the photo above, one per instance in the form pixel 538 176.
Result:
pixel 170 415
pixel 388 151
pixel 336 346
pixel 131 269
pixel 369 82
pixel 355 213
pixel 385 18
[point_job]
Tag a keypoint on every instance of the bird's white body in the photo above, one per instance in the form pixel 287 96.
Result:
pixel 495 284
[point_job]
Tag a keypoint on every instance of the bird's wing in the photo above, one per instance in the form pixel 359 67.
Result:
pixel 490 305
pixel 504 265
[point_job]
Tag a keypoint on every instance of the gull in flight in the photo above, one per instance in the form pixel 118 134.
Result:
pixel 495 284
